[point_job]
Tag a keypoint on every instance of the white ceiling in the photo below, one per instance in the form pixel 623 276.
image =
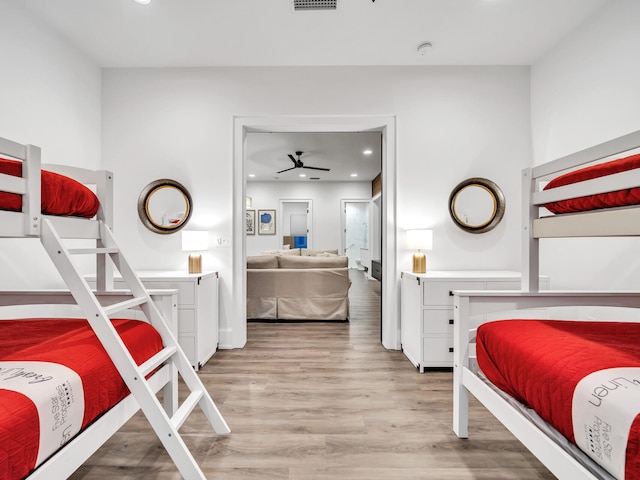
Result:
pixel 200 33
pixel 267 154
pixel 178 33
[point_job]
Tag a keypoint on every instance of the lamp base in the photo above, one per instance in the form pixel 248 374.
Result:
pixel 195 263
pixel 419 263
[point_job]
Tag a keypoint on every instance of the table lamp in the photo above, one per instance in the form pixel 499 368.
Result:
pixel 193 241
pixel 419 239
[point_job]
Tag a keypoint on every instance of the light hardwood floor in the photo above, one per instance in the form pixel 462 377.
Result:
pixel 324 400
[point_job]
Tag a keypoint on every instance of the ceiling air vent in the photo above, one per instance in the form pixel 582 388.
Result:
pixel 314 178
pixel 300 5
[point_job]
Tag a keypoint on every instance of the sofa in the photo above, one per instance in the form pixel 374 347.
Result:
pixel 293 286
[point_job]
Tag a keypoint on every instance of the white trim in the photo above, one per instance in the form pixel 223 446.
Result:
pixel 236 337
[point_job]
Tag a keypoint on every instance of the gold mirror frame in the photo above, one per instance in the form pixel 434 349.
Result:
pixel 494 218
pixel 144 212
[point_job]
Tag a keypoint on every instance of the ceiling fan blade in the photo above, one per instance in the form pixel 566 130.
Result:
pixel 318 168
pixel 286 169
pixel 293 160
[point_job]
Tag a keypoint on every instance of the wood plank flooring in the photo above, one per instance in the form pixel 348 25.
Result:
pixel 320 401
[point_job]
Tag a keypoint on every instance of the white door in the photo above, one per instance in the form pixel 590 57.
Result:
pixel 355 233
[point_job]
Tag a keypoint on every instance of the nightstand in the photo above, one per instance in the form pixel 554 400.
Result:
pixel 197 309
pixel 426 330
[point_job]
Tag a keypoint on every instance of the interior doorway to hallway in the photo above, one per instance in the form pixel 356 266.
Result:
pixel 235 333
pixel 355 233
pixel 296 223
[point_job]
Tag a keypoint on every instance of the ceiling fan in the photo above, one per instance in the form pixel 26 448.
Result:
pixel 297 163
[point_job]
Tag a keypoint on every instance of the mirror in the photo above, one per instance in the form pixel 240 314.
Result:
pixel 476 205
pixel 164 206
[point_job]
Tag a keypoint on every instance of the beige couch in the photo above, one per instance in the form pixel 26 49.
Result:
pixel 296 287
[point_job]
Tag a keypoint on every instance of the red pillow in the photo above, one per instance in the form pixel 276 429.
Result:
pixel 619 198
pixel 60 195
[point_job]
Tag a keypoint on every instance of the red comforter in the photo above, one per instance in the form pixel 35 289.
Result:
pixel 60 195
pixel 540 363
pixel 73 344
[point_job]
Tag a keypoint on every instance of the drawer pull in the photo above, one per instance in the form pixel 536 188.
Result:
pixel 451 321
pixel 450 349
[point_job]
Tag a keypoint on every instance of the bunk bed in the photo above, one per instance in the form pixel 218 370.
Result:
pixel 77 364
pixel 566 388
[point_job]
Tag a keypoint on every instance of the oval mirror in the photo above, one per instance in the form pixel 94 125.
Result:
pixel 476 205
pixel 164 206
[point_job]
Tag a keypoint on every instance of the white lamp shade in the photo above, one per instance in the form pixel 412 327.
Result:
pixel 420 239
pixel 193 241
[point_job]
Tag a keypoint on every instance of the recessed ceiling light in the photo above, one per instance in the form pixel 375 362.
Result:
pixel 252 175
pixel 302 175
pixel 368 151
pixel 354 174
pixel 143 2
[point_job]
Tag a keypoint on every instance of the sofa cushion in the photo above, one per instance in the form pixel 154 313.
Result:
pixel 312 262
pixel 262 261
pixel 292 251
pixel 312 253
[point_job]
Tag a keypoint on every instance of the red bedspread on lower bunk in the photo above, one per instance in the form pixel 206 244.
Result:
pixel 541 362
pixel 30 347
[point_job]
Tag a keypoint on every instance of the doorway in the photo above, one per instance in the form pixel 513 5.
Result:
pixel 236 335
pixel 295 223
pixel 356 233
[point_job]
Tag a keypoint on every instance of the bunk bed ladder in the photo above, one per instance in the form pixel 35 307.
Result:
pixel 165 424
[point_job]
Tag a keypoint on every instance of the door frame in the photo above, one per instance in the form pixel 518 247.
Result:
pixel 237 336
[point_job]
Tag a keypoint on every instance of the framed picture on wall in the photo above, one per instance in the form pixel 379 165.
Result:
pixel 267 222
pixel 250 222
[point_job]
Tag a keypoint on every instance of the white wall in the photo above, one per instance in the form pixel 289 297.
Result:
pixel 452 123
pixel 326 198
pixel 50 96
pixel 585 92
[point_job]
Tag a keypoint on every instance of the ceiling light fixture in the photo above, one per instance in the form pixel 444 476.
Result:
pixel 143 2
pixel 302 175
pixel 368 151
pixel 354 174
pixel 425 47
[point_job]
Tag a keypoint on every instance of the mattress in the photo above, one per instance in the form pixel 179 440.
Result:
pixel 544 363
pixel 60 195
pixel 30 350
pixel 619 198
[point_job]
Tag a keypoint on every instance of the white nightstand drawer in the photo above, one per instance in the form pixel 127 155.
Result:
pixel 188 344
pixel 186 290
pixel 439 322
pixel 439 293
pixel 186 321
pixel 438 351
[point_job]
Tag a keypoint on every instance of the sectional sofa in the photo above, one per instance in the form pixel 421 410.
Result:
pixel 296 286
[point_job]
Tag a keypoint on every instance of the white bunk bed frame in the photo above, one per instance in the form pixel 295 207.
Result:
pixel 469 306
pixel 156 307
